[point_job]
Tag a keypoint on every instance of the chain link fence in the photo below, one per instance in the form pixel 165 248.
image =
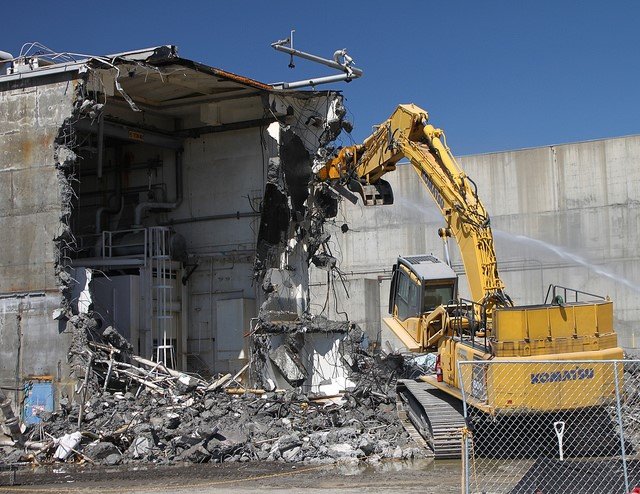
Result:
pixel 551 427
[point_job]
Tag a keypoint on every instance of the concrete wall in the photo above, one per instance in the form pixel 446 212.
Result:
pixel 358 300
pixel 33 345
pixel 567 214
pixel 223 175
pixel 31 342
pixel 29 187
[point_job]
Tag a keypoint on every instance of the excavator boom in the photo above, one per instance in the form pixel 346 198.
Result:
pixel 407 134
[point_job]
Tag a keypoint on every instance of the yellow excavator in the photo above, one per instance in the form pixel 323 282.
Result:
pixel 428 315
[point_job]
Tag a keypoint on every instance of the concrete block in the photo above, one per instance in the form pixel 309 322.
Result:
pixel 29 148
pixel 6 193
pixel 288 364
pixel 54 103
pixel 27 261
pixel 19 108
pixel 36 190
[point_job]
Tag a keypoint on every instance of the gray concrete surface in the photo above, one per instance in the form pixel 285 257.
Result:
pixel 31 342
pixel 30 201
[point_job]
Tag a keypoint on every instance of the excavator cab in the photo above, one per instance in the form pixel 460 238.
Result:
pixel 423 292
pixel 419 285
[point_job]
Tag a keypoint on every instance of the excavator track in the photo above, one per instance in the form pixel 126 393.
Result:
pixel 437 416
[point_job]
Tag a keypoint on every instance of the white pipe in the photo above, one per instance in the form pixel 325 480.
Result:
pixel 313 82
pixel 356 72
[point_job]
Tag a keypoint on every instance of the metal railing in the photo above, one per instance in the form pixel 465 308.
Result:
pixel 113 246
pixel 554 291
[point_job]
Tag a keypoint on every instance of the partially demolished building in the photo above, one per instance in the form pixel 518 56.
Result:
pixel 175 203
pixel 171 201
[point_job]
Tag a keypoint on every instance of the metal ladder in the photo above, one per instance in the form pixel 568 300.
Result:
pixel 160 261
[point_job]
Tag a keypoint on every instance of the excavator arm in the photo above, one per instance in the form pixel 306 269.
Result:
pixel 407 134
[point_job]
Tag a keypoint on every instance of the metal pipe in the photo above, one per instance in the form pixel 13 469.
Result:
pixel 161 187
pixel 356 72
pixel 119 197
pixel 100 144
pixel 109 210
pixel 143 206
pixel 226 216
pixel 211 129
pixel 623 448
pixel 313 82
pixel 465 414
pixel 151 164
pixel 129 133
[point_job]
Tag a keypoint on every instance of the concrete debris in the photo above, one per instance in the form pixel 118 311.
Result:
pixel 289 347
pixel 289 365
pixel 67 444
pixel 11 421
pixel 136 410
pixel 272 323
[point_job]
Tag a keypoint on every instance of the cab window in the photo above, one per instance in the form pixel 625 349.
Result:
pixel 408 299
pixel 435 295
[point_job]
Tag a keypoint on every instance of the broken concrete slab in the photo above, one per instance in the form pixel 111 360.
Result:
pixel 289 365
pixel 100 450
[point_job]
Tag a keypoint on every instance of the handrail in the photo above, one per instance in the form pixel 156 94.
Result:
pixel 554 289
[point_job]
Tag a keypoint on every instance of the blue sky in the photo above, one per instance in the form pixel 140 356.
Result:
pixel 495 75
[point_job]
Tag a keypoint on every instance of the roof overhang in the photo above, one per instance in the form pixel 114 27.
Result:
pixel 157 76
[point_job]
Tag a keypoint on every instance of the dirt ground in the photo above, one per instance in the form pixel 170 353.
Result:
pixel 424 476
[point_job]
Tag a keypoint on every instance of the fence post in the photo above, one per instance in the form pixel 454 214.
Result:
pixel 465 435
pixel 619 413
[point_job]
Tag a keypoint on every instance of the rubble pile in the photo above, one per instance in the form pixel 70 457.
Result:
pixel 133 410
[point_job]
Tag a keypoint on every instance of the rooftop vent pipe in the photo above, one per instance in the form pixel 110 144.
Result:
pixel 6 58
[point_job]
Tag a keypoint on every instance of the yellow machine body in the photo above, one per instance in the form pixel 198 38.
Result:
pixel 487 327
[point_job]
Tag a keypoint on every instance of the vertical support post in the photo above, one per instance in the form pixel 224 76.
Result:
pixel 619 414
pixel 465 437
pixel 184 324
pixel 100 144
pixel 87 375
